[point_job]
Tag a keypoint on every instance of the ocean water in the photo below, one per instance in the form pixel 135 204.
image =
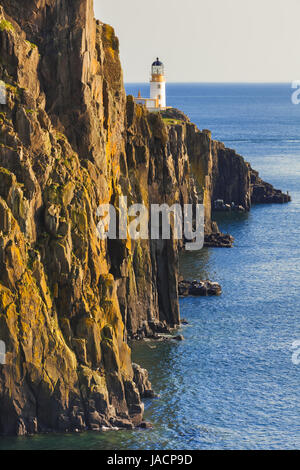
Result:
pixel 231 384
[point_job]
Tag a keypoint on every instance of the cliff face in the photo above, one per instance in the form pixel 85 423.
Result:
pixel 62 139
pixel 70 140
pixel 219 172
pixel 158 171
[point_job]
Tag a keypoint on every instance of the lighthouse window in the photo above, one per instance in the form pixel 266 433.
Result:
pixel 159 86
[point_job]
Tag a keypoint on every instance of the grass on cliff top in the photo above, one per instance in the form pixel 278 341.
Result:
pixel 6 26
pixel 172 122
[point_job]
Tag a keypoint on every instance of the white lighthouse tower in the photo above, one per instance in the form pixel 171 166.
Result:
pixel 157 100
pixel 158 84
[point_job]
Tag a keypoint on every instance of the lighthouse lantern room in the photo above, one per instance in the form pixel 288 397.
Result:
pixel 157 100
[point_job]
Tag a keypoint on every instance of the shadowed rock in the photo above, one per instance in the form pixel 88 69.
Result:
pixel 199 288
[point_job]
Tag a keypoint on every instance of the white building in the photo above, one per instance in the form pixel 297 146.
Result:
pixel 157 100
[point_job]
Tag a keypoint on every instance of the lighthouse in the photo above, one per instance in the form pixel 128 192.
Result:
pixel 157 100
pixel 158 83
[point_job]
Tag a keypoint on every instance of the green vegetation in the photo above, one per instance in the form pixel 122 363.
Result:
pixel 30 111
pixel 4 171
pixel 6 26
pixel 2 117
pixel 32 45
pixel 4 146
pixel 107 333
pixel 15 90
pixel 172 122
pixel 12 88
pixel 60 136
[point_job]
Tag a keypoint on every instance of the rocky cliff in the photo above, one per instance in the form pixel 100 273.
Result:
pixel 219 172
pixel 70 140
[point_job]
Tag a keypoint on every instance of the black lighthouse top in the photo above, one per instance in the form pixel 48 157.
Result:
pixel 157 62
pixel 157 67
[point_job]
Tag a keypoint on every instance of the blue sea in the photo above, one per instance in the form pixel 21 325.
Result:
pixel 231 384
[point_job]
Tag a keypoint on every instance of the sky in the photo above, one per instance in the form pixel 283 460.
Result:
pixel 207 40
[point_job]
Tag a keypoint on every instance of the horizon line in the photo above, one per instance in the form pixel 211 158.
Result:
pixel 214 82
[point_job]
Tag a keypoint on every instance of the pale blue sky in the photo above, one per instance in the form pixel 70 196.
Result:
pixel 207 40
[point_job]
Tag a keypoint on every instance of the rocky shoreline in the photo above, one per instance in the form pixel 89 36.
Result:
pixel 218 240
pixel 70 141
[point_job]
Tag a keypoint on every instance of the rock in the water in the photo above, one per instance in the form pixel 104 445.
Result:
pixel 146 425
pixel 199 288
pixel 220 206
pixel 178 338
pixel 218 240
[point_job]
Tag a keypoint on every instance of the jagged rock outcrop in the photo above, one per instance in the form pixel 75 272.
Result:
pixel 142 381
pixel 265 193
pixel 219 172
pixel 235 181
pixel 70 140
